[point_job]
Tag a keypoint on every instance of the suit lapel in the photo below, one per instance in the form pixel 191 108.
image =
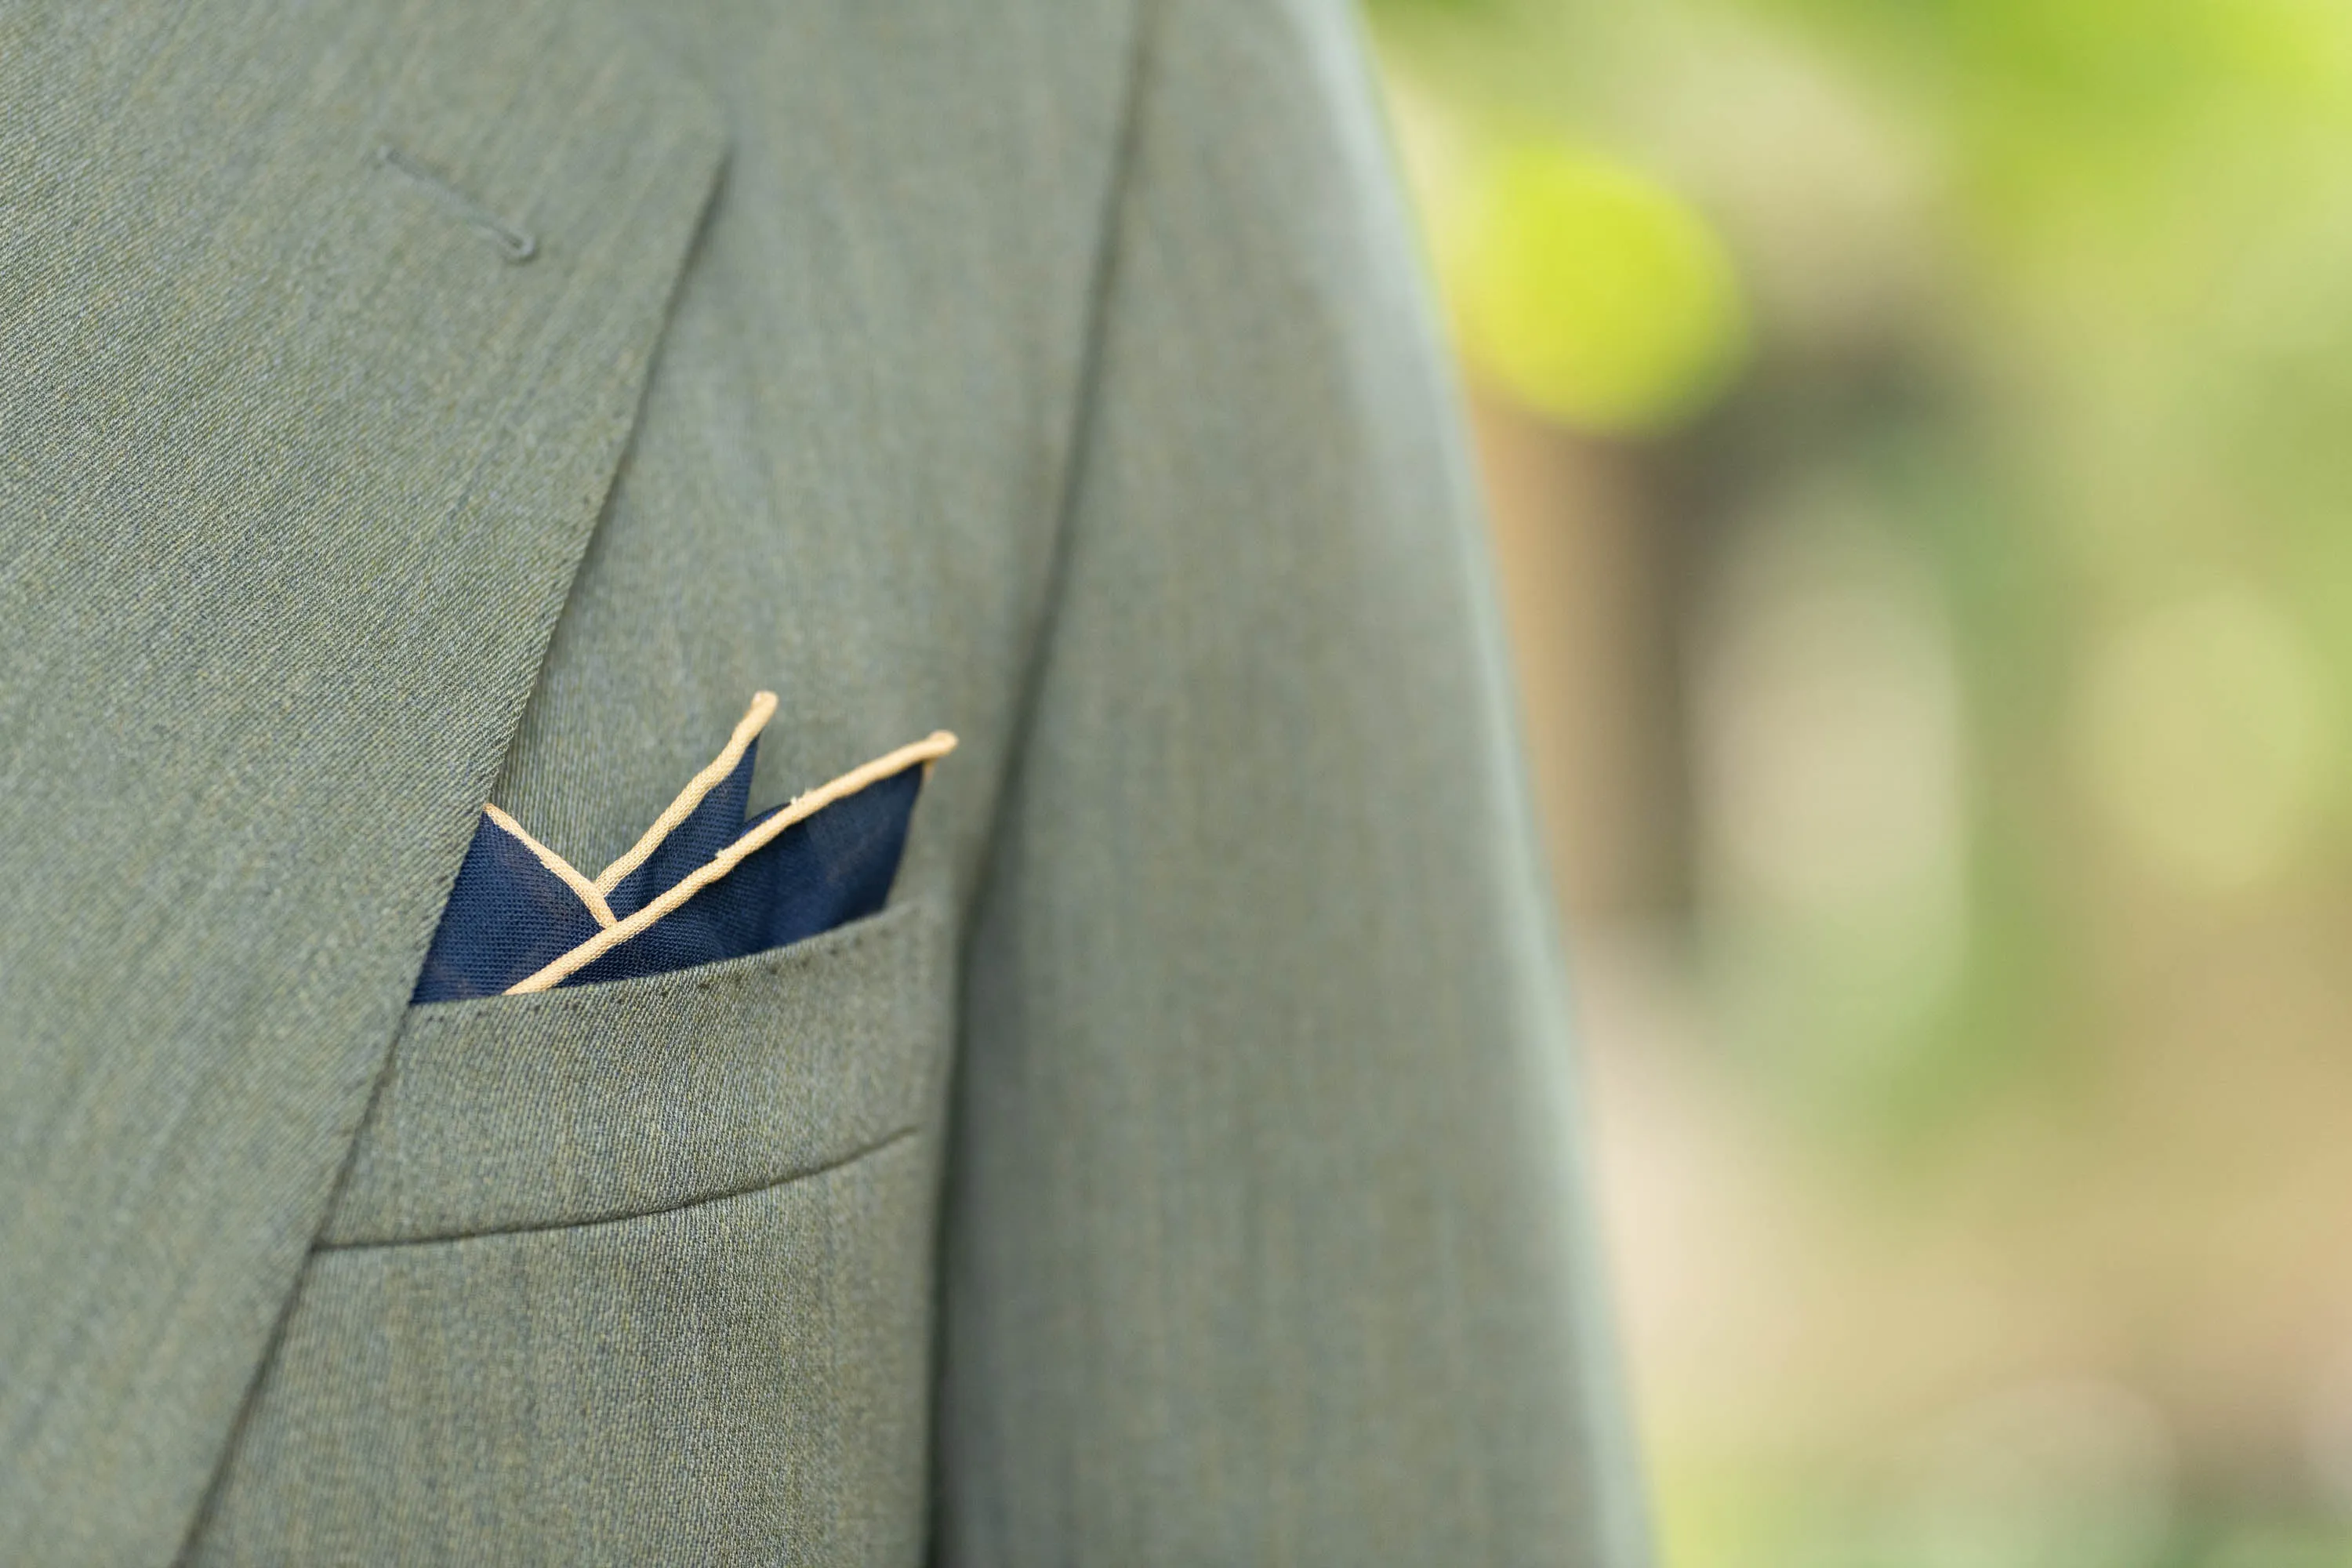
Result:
pixel 298 453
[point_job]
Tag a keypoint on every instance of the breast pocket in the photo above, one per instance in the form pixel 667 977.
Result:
pixel 634 1271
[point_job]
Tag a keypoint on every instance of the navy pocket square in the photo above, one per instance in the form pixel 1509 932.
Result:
pixel 700 885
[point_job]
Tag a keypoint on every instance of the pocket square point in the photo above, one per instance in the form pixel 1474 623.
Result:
pixel 701 884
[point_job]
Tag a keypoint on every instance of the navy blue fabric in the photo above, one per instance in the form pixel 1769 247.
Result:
pixel 509 916
pixel 717 822
pixel 821 872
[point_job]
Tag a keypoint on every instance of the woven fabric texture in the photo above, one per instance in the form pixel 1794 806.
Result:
pixel 295 471
pixel 624 1274
pixel 1181 1168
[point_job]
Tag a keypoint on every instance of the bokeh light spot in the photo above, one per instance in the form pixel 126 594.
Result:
pixel 1592 293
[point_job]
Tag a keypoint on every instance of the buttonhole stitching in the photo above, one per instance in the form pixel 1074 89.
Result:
pixel 516 245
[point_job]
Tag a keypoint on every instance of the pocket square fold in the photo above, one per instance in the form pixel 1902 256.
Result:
pixel 701 884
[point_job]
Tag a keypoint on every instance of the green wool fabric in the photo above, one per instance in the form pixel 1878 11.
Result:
pixel 418 404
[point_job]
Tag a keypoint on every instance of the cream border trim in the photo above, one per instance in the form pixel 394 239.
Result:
pixel 747 729
pixel 590 894
pixel 929 749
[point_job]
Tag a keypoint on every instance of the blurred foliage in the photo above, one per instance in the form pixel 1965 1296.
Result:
pixel 2056 294
pixel 1990 362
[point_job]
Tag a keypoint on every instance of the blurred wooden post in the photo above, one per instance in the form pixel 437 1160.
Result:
pixel 1586 561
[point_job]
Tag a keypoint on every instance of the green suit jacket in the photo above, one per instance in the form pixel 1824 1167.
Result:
pixel 407 405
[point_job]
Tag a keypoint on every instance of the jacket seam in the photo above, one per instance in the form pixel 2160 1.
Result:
pixel 1102 289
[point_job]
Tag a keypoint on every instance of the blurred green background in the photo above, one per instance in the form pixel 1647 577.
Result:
pixel 1919 441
